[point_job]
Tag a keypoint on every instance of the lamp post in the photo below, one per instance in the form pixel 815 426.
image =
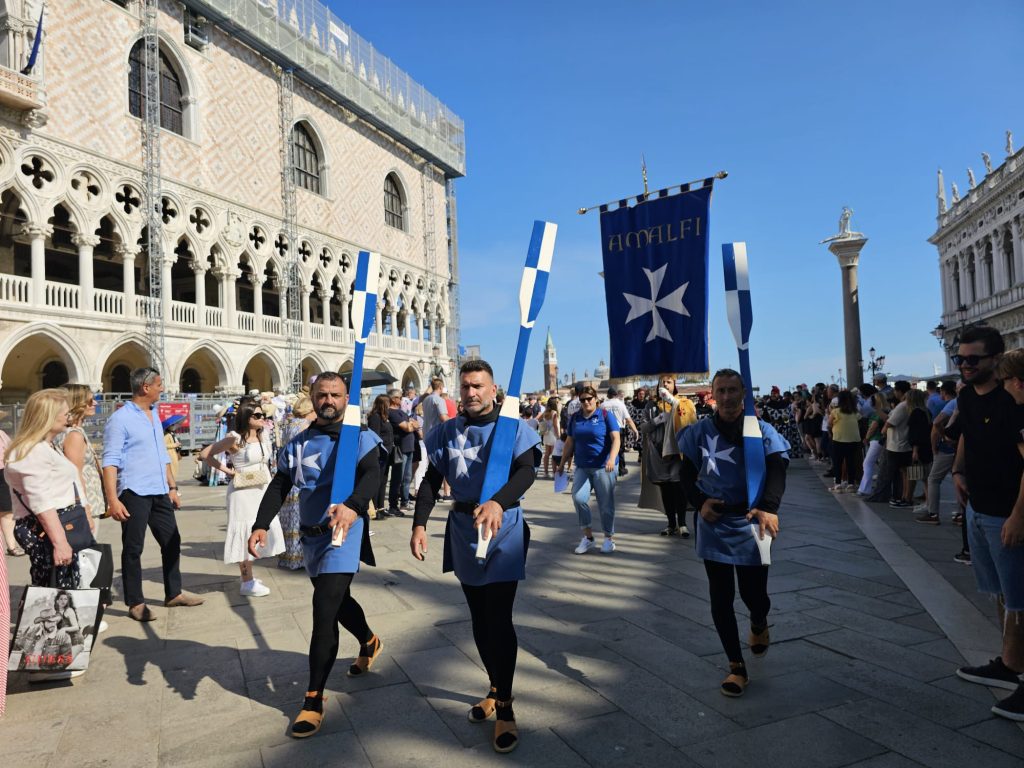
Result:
pixel 940 331
pixel 875 364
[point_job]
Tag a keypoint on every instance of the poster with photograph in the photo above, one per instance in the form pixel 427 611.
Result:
pixel 55 631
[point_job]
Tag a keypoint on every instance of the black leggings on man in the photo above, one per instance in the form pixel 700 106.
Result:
pixel 753 583
pixel 333 604
pixel 490 607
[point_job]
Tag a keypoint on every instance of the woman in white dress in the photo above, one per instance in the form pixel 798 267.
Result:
pixel 249 451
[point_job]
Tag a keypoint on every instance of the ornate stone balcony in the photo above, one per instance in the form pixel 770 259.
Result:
pixel 18 91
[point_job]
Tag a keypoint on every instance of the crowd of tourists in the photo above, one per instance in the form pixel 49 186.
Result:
pixel 418 448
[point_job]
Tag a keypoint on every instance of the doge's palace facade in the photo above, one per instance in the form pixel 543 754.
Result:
pixel 373 156
pixel 980 238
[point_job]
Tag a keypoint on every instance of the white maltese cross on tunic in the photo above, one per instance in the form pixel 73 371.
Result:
pixel 672 302
pixel 463 456
pixel 712 455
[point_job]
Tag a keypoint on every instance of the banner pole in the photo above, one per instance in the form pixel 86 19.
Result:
pixel 660 193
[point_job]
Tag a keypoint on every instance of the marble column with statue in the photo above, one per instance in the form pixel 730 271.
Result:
pixel 846 246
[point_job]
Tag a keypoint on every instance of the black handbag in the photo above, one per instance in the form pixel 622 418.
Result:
pixel 73 520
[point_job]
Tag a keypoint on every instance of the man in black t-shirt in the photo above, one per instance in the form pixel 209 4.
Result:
pixel 988 472
pixel 404 425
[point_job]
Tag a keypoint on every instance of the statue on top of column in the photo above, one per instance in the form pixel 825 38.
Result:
pixel 970 178
pixel 1009 142
pixel 987 161
pixel 956 193
pixel 845 233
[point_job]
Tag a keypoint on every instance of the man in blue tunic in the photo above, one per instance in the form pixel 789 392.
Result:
pixel 457 451
pixel 730 534
pixel 307 462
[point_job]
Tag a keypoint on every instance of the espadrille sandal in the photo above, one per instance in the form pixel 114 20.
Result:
pixel 736 682
pixel 368 654
pixel 759 640
pixel 484 708
pixel 506 734
pixel 309 719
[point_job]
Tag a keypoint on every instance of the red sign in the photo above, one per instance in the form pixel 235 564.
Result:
pixel 166 410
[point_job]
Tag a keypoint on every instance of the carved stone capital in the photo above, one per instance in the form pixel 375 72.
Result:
pixel 34 231
pixel 126 252
pixel 34 119
pixel 81 239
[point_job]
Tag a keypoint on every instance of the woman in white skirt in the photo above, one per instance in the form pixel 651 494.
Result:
pixel 249 451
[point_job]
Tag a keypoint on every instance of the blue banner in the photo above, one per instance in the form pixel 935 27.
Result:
pixel 656 284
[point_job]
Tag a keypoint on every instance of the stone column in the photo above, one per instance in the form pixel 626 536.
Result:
pixel 304 309
pixel 442 332
pixel 379 322
pixel 200 272
pixel 165 288
pixel 37 242
pixel 85 244
pixel 325 307
pixel 847 252
pixel 228 289
pixel 282 301
pixel 419 328
pixel 1018 248
pixel 257 302
pixel 966 294
pixel 128 255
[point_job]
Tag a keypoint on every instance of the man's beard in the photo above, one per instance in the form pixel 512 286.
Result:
pixel 327 412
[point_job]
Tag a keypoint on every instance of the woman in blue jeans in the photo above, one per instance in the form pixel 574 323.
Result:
pixel 592 440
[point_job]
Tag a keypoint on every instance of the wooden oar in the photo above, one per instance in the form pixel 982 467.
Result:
pixel 532 288
pixel 364 310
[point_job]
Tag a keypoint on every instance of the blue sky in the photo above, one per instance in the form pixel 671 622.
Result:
pixel 810 106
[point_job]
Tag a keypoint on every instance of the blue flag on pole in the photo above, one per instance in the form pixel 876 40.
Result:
pixel 35 45
pixel 656 284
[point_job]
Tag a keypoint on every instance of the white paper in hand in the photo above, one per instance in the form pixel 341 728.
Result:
pixel 561 481
pixel 764 546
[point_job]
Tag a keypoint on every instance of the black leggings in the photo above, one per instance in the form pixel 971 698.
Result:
pixel 673 498
pixel 753 581
pixel 490 607
pixel 333 604
pixel 848 453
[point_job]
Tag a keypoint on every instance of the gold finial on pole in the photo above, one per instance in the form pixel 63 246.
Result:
pixel 643 170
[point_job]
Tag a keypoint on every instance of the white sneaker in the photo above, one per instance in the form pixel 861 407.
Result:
pixel 608 546
pixel 52 677
pixel 920 508
pixel 585 544
pixel 103 627
pixel 254 588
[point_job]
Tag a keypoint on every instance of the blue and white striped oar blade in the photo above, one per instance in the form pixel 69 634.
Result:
pixel 364 311
pixel 532 288
pixel 741 321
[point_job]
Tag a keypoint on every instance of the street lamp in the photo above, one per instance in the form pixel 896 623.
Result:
pixel 876 363
pixel 939 332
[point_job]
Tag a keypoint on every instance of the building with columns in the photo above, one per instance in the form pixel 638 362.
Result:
pixel 373 156
pixel 981 254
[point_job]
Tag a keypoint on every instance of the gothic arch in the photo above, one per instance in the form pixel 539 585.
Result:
pixel 186 77
pixel 215 354
pixel 275 378
pixel 320 146
pixel 66 348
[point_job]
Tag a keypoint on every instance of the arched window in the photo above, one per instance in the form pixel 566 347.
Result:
pixel 191 381
pixel 393 213
pixel 55 374
pixel 305 160
pixel 171 110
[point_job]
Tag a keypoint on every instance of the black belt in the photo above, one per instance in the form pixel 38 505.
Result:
pixel 466 507
pixel 732 509
pixel 315 530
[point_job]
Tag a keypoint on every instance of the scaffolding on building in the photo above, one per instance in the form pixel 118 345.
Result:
pixel 325 53
pixel 454 310
pixel 151 183
pixel 292 276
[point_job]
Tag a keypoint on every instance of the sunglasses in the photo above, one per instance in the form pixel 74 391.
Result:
pixel 971 360
pixel 586 399
pixel 258 416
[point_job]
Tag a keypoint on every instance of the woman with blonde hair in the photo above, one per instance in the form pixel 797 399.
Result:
pixel 250 451
pixel 76 446
pixel 302 415
pixel 44 483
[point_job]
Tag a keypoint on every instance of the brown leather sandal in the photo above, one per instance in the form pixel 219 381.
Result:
pixel 484 708
pixel 736 682
pixel 309 720
pixel 759 640
pixel 506 734
pixel 363 663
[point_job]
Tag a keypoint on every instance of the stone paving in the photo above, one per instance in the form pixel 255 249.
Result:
pixel 619 663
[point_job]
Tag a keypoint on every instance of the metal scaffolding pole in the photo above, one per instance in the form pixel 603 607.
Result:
pixel 429 247
pixel 293 278
pixel 454 329
pixel 153 309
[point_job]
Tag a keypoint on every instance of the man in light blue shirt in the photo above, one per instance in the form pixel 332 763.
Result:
pixel 142 492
